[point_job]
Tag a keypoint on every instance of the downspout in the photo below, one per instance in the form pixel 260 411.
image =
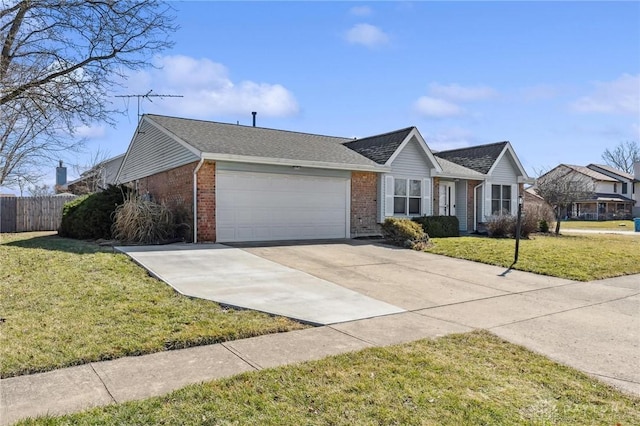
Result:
pixel 195 200
pixel 475 206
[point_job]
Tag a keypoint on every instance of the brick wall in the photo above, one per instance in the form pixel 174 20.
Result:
pixel 174 188
pixel 471 203
pixel 207 202
pixel 436 196
pixel 364 204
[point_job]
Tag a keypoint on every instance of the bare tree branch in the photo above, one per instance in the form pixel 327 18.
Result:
pixel 59 60
pixel 623 156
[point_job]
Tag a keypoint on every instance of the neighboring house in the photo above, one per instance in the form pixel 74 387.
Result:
pixel 97 178
pixel 246 183
pixel 612 197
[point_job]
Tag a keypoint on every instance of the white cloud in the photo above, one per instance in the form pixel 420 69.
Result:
pixel 456 92
pixel 90 132
pixel 367 35
pixel 438 108
pixel 619 96
pixel 451 138
pixel 208 91
pixel 442 99
pixel 361 11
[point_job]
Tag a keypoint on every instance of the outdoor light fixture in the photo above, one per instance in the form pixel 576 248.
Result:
pixel 518 227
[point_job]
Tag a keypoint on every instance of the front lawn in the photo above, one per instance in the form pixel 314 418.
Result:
pixel 605 225
pixel 466 379
pixel 66 302
pixel 576 257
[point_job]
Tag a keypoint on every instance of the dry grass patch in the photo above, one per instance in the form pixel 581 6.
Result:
pixel 66 302
pixel 576 257
pixel 467 379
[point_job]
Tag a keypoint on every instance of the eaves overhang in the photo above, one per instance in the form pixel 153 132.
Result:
pixel 294 163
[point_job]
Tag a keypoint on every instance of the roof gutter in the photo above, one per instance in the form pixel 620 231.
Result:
pixel 295 163
pixel 195 200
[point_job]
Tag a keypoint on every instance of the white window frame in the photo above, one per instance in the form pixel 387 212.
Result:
pixel 407 197
pixel 502 200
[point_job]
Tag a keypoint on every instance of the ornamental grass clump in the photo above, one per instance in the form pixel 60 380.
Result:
pixel 138 220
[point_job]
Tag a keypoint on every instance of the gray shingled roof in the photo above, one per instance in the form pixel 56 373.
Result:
pixel 591 173
pixel 612 170
pixel 379 148
pixel 452 169
pixel 230 139
pixel 479 158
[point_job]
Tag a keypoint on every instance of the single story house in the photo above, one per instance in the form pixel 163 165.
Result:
pixel 246 183
pixel 97 178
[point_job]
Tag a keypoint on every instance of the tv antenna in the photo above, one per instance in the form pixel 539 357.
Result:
pixel 148 96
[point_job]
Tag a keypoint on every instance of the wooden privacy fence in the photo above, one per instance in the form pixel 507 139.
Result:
pixel 23 214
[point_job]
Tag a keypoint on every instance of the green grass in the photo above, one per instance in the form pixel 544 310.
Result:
pixel 608 225
pixel 466 379
pixel 576 257
pixel 66 302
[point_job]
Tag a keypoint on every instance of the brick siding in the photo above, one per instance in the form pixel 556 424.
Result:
pixel 174 188
pixel 471 203
pixel 364 204
pixel 207 202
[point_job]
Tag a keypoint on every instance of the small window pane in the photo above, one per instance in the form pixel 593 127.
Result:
pixel 506 192
pixel 414 188
pixel 506 206
pixel 414 205
pixel 495 207
pixel 495 192
pixel 400 205
pixel 400 187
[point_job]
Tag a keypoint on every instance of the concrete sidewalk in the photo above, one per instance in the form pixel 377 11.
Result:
pixel 591 326
pixel 529 318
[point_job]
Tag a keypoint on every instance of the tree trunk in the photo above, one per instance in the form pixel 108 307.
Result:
pixel 558 218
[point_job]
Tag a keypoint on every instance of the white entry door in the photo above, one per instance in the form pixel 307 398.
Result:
pixel 269 207
pixel 447 199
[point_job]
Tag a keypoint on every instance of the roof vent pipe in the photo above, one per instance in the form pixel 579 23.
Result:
pixel 254 118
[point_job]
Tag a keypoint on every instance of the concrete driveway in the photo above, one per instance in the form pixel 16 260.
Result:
pixel 590 326
pixel 594 326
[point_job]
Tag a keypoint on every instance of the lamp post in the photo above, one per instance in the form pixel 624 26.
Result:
pixel 518 226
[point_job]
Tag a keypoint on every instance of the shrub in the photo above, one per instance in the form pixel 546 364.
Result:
pixel 500 225
pixel 90 216
pixel 439 226
pixel 139 220
pixel 528 224
pixel 543 226
pixel 404 233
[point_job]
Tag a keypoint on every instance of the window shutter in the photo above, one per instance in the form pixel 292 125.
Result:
pixel 514 199
pixel 426 197
pixel 388 196
pixel 487 201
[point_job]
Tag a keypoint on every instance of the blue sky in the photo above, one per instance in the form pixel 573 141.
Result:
pixel 559 80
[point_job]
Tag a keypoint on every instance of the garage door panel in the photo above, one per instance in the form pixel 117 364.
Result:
pixel 265 206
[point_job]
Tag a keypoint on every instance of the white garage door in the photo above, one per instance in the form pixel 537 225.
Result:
pixel 269 207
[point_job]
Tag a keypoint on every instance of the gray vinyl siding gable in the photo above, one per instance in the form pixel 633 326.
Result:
pixel 412 161
pixel 505 171
pixel 151 152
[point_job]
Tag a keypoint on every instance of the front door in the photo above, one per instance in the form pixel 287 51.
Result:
pixel 447 199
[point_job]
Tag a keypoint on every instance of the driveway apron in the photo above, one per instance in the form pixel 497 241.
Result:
pixel 233 277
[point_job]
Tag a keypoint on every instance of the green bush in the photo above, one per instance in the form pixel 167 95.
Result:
pixel 439 226
pixel 91 216
pixel 404 233
pixel 543 226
